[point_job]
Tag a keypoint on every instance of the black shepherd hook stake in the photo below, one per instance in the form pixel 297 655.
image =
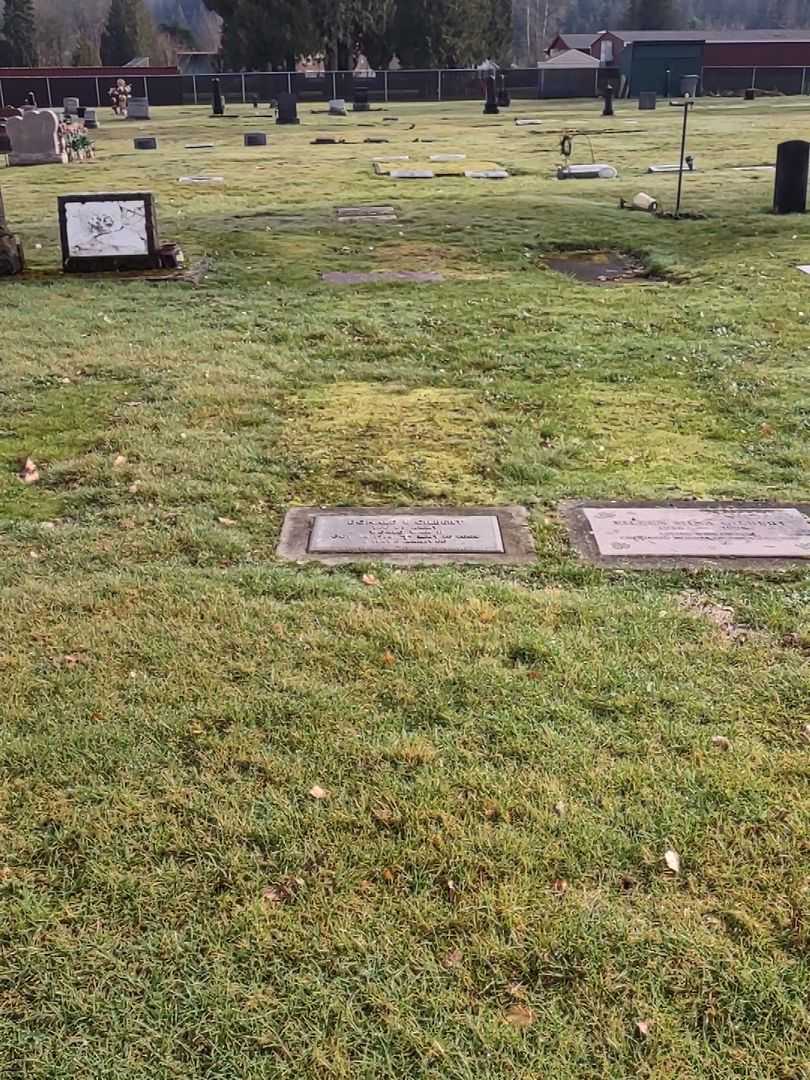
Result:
pixel 686 105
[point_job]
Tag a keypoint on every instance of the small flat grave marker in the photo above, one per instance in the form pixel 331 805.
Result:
pixel 448 157
pixel 486 174
pixel 804 269
pixel 380 277
pixel 408 536
pixel 650 535
pixel 411 174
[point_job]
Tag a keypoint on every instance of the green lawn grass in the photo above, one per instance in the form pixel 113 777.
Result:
pixel 507 753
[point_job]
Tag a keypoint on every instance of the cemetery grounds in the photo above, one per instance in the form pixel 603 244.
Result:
pixel 263 820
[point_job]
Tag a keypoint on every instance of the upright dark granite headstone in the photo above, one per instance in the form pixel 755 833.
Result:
pixel 750 94
pixel 647 100
pixel 790 189
pixel 504 100
pixel 218 107
pixel 491 104
pixel 287 109
pixel 360 99
pixel 608 95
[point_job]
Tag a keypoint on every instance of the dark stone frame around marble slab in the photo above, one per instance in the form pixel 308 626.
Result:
pixel 518 542
pixel 585 545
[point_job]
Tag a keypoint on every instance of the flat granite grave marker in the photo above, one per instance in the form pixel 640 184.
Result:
pixel 380 277
pixel 659 535
pixel 407 536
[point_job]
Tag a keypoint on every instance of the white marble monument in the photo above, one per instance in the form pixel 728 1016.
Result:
pixel 35 138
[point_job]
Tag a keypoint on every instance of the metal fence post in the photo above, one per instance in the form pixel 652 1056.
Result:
pixel 334 86
pixel 98 93
pixel 2 98
pixel 289 82
pixel 804 80
pixel 385 85
pixel 439 84
pixel 244 96
pixel 754 79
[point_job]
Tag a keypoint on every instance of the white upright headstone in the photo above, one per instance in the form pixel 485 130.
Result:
pixel 35 138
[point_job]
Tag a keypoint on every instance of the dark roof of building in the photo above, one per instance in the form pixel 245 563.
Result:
pixel 708 35
pixel 577 41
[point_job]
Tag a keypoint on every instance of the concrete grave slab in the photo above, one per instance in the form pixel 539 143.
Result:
pixel 738 535
pixel 448 157
pixel 393 157
pixel 411 174
pixel 201 180
pixel 587 172
pixel 671 168
pixel 486 174
pixel 377 277
pixel 409 536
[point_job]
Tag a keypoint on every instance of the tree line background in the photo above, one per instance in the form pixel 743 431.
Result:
pixel 261 34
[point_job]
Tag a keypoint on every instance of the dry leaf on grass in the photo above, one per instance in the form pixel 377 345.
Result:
pixel 559 887
pixel 226 521
pixel 519 1016
pixel 643 1028
pixel 720 742
pixel 133 488
pixel 559 808
pixel 283 891
pixel 806 732
pixel 388 658
pixel 673 860
pixel 29 473
pixel 370 579
pixel 318 792
pixel 452 959
pixel 119 461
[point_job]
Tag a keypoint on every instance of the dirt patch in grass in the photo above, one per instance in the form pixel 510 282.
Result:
pixel 601 267
pixel 721 616
pixel 356 442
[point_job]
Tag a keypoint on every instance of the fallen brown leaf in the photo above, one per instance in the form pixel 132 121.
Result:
pixel 388 658
pixel 720 742
pixel 673 860
pixel 519 1016
pixel 806 732
pixel 318 792
pixel 452 959
pixel 517 991
pixel 226 521
pixel 559 887
pixel 29 473
pixel 766 430
pixel 560 808
pixel 370 579
pixel 282 891
pixel 119 461
pixel 643 1028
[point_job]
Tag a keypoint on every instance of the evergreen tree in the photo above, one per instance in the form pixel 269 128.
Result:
pixel 19 45
pixel 128 33
pixel 652 15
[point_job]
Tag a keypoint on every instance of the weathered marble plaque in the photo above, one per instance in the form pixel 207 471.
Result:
pixel 404 534
pixel 112 227
pixel 666 532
